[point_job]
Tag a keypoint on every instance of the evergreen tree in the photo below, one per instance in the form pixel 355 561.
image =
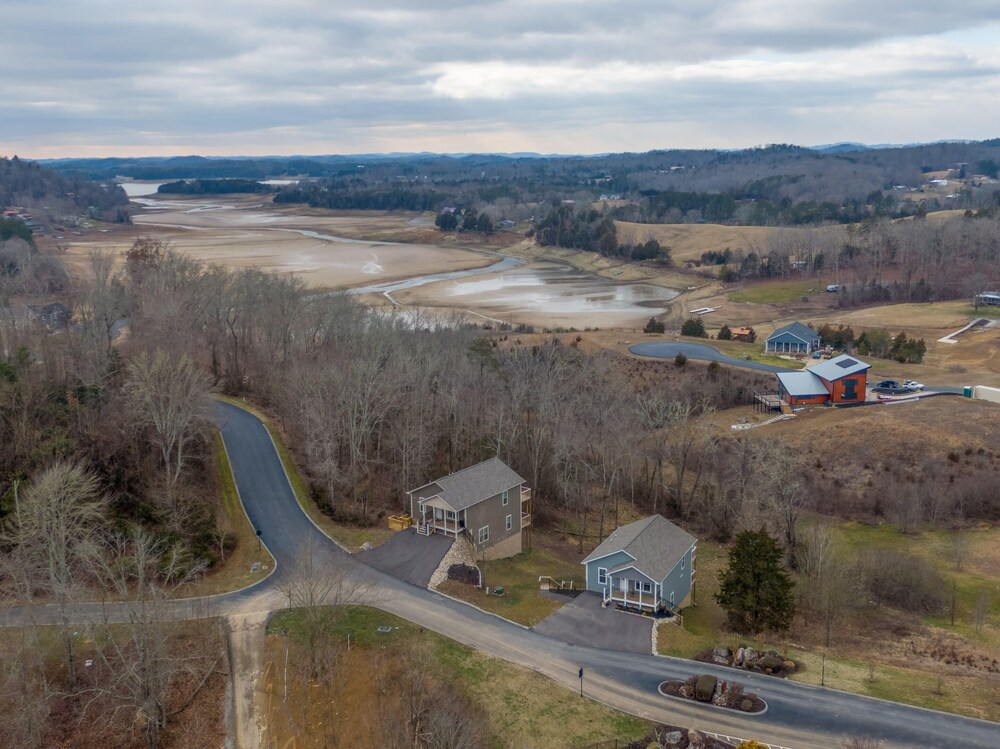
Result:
pixel 654 326
pixel 694 327
pixel 754 589
pixel 725 334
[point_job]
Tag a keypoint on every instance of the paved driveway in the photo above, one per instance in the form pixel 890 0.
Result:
pixel 408 556
pixel 668 350
pixel 583 621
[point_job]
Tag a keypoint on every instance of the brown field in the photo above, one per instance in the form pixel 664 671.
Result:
pixel 689 241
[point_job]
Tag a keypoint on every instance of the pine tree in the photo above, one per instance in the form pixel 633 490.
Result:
pixel 754 589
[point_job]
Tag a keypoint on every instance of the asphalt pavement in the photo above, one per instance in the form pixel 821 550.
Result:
pixel 409 556
pixel 584 621
pixel 670 349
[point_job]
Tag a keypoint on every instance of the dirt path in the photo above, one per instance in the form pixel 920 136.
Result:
pixel 245 633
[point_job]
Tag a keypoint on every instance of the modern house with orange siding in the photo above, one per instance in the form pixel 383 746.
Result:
pixel 840 381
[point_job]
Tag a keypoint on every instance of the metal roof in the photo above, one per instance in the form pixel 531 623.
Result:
pixel 472 485
pixel 840 366
pixel 654 543
pixel 802 384
pixel 797 329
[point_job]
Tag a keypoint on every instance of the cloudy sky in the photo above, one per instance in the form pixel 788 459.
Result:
pixel 98 78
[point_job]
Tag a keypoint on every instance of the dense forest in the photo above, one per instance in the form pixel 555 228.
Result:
pixel 52 195
pixel 213 187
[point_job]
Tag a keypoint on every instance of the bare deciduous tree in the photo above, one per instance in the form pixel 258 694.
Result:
pixel 170 398
pixel 52 538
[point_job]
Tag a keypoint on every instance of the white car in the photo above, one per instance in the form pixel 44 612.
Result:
pixel 913 385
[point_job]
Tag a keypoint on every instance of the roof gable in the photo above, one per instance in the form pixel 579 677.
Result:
pixel 654 543
pixel 472 485
pixel 797 329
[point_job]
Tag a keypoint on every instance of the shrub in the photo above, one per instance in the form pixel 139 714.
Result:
pixel 694 327
pixel 654 326
pixel 895 579
pixel 680 360
pixel 704 688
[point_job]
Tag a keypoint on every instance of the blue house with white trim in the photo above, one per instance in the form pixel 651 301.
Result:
pixel 794 338
pixel 646 565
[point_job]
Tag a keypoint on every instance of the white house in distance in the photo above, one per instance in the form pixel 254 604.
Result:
pixel 646 565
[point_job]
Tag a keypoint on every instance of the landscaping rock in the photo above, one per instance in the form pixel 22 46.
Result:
pixel 750 657
pixel 740 655
pixel 721 652
pixel 721 660
pixel 704 689
pixel 696 738
pixel 672 739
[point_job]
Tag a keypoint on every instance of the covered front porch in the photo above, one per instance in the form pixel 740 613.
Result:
pixel 632 590
pixel 437 516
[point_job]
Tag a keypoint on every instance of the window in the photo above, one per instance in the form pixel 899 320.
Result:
pixel 484 534
pixel 602 575
pixel 505 497
pixel 641 587
pixel 683 562
pixel 510 522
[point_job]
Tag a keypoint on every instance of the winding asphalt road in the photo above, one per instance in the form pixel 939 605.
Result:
pixel 799 716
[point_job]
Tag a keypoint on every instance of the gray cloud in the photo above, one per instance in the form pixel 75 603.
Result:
pixel 303 76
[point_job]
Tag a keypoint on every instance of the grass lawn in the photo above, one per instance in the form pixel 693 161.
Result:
pixel 983 311
pixel 756 353
pixel 523 707
pixel 869 665
pixel 521 602
pixel 776 292
pixel 350 536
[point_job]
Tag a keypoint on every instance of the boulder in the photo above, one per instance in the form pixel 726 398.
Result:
pixel 740 655
pixel 704 689
pixel 671 739
pixel 721 660
pixel 696 738
pixel 721 651
pixel 750 657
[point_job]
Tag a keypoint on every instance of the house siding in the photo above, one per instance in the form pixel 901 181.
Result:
pixel 608 562
pixel 786 342
pixel 850 389
pixel 678 581
pixel 493 512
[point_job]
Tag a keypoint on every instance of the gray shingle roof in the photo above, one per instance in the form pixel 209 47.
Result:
pixel 838 367
pixel 655 543
pixel 801 384
pixel 472 485
pixel 797 329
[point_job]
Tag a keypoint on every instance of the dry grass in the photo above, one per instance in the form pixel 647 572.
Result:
pixel 523 707
pixel 689 241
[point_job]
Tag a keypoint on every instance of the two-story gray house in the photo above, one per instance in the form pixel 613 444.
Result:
pixel 488 503
pixel 648 565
